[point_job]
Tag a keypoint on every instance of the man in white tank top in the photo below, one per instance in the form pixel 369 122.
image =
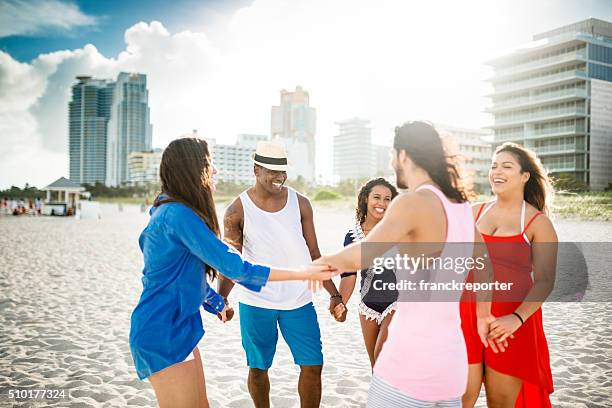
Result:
pixel 273 224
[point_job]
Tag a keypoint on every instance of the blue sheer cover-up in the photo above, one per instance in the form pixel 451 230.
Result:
pixel 166 324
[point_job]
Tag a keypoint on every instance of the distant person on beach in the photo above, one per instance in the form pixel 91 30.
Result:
pixel 376 307
pixel 423 362
pixel 271 223
pixel 522 242
pixel 181 247
pixel 38 205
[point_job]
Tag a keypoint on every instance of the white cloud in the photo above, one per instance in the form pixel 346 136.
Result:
pixel 35 16
pixel 34 96
pixel 387 61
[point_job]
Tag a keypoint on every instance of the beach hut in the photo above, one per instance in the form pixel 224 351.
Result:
pixel 62 197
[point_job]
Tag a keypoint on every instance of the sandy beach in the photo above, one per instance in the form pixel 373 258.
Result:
pixel 68 287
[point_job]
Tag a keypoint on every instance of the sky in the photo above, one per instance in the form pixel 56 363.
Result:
pixel 218 66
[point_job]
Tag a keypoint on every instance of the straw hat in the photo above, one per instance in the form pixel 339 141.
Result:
pixel 271 155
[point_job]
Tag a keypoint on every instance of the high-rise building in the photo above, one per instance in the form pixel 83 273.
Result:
pixel 382 161
pixel 294 124
pixel 555 96
pixel 88 116
pixel 354 156
pixel 143 167
pixel 129 128
pixel 108 120
pixel 234 162
pixel 474 148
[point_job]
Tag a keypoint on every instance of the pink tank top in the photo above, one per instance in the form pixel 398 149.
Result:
pixel 424 356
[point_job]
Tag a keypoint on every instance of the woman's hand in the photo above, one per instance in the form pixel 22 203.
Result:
pixel 502 328
pixel 483 326
pixel 316 273
pixel 226 314
pixel 339 312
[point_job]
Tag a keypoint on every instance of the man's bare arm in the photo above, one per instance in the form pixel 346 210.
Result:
pixel 310 235
pixel 233 223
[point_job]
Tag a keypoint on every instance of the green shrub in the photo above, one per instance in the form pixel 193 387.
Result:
pixel 324 195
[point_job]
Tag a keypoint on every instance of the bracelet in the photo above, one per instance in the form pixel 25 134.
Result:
pixel 336 295
pixel 519 316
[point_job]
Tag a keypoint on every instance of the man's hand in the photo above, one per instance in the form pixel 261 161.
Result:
pixel 337 308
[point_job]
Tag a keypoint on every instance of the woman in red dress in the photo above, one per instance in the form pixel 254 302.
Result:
pixel 521 241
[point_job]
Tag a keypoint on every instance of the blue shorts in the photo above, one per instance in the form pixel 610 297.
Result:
pixel 299 327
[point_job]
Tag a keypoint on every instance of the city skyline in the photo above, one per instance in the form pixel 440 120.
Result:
pixel 221 69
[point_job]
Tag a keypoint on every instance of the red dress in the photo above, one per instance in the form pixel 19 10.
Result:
pixel 527 355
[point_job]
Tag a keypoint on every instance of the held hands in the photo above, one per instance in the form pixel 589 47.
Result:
pixel 494 332
pixel 316 273
pixel 337 308
pixel 227 313
pixel 503 328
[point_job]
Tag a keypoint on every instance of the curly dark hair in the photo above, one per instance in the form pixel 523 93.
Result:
pixel 362 198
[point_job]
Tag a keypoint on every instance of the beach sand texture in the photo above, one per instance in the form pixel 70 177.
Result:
pixel 68 287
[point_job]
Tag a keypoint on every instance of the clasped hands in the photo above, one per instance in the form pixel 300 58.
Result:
pixel 315 273
pixel 337 308
pixel 494 331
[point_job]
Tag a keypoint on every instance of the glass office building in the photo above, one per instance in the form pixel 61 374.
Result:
pixel 354 155
pixel 129 128
pixel 88 116
pixel 108 120
pixel 293 123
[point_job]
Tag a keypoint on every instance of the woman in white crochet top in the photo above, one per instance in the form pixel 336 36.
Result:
pixel 377 306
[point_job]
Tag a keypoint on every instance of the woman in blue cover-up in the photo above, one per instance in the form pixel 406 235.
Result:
pixel 180 246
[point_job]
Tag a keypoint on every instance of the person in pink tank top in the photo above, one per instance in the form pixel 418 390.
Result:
pixel 424 360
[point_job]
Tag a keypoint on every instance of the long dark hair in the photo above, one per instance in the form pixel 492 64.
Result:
pixel 362 198
pixel 423 144
pixel 186 177
pixel 538 189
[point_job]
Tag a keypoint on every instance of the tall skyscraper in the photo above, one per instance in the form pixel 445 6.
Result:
pixel 88 116
pixel 555 96
pixel 108 120
pixel 354 155
pixel 294 124
pixel 382 161
pixel 129 128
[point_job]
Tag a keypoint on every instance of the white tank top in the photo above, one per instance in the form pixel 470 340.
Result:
pixel 275 239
